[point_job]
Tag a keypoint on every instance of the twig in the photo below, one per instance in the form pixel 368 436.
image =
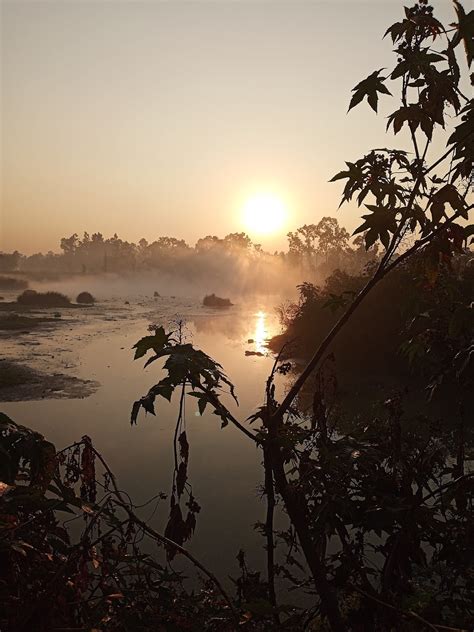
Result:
pixel 270 493
pixel 163 539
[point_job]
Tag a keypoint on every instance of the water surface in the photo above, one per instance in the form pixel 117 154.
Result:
pixel 224 466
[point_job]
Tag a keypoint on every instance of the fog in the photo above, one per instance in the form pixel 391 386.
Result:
pixel 232 267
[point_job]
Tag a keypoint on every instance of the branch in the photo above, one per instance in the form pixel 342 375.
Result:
pixel 422 242
pixel 380 274
pixel 270 492
pixel 218 405
pixel 163 539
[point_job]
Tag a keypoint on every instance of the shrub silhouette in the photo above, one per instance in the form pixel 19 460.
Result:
pixel 85 298
pixel 215 301
pixel 43 299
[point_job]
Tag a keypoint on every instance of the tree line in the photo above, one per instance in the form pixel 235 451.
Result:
pixel 314 248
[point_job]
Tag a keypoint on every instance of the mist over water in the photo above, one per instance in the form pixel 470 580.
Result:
pixel 238 286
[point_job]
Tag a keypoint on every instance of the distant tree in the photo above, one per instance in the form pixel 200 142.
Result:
pixel 69 244
pixel 237 241
pixel 313 244
pixel 331 237
pixel 9 262
pixel 205 244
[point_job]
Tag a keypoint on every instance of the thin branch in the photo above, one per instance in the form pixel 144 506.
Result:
pixel 163 539
pixel 219 406
pixel 178 424
pixel 270 493
pixel 422 242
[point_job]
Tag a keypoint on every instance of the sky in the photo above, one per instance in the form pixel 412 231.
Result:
pixel 163 118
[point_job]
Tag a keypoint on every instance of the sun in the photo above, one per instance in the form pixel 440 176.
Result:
pixel 264 214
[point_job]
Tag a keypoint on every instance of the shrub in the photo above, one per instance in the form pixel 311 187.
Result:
pixel 215 301
pixel 85 298
pixel 43 299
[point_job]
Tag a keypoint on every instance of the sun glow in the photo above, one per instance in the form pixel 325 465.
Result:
pixel 264 214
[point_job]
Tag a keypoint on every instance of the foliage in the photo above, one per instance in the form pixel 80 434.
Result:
pixel 381 511
pixel 211 300
pixel 85 297
pixel 379 507
pixel 43 299
pixel 320 248
pixel 315 249
pixel 413 309
pixel 100 575
pixel 403 187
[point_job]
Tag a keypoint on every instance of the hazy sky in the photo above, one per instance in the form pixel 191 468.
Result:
pixel 161 118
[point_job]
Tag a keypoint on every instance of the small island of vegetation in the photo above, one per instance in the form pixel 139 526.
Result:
pixel 211 300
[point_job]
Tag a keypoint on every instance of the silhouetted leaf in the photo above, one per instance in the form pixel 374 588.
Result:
pixel 181 478
pixel 135 410
pixel 369 88
pixel 155 342
pixel 183 446
pixel 465 31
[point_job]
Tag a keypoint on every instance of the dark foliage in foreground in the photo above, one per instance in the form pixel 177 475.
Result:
pixel 98 574
pixel 397 324
pixel 380 510
pixel 380 513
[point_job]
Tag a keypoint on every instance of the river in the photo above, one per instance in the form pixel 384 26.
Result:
pixel 224 466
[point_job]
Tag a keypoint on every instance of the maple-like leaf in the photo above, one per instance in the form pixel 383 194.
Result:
pixel 369 87
pixel 465 31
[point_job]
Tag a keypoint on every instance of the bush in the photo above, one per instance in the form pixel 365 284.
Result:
pixel 43 299
pixel 215 301
pixel 85 298
pixel 10 283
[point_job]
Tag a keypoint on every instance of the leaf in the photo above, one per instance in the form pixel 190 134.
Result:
pixel 400 70
pixel 148 404
pixel 450 195
pixel 463 140
pixel 396 31
pixel 416 63
pixel 134 414
pixel 175 529
pixel 355 179
pixel 378 224
pixel 437 211
pixel 415 116
pixel 181 478
pixel 370 238
pixel 183 446
pixel 155 342
pixel 465 31
pixel 369 87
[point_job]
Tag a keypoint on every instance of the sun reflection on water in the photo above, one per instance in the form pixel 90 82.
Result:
pixel 261 332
